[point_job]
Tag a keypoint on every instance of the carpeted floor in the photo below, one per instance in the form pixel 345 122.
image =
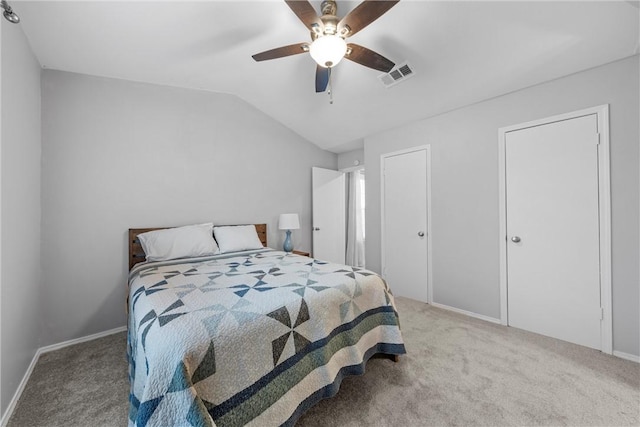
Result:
pixel 458 371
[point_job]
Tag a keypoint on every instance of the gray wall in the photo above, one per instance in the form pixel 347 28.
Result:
pixel 347 160
pixel 118 154
pixel 465 188
pixel 20 202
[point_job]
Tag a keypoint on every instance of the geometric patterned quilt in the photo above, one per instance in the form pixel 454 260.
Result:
pixel 253 338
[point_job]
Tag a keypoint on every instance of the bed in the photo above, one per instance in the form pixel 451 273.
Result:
pixel 249 337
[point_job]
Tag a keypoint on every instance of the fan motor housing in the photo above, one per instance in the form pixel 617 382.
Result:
pixel 329 7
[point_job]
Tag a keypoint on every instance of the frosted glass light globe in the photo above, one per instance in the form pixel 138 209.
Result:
pixel 327 51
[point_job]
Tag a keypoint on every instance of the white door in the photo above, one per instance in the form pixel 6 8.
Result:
pixel 329 215
pixel 553 258
pixel 404 223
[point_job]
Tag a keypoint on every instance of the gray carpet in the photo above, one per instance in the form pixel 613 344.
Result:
pixel 458 371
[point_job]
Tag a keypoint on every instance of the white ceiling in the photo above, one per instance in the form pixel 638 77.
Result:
pixel 461 52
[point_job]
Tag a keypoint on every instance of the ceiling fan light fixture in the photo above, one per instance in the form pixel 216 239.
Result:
pixel 328 50
pixel 8 13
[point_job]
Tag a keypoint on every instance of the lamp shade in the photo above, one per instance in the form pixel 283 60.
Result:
pixel 327 51
pixel 289 221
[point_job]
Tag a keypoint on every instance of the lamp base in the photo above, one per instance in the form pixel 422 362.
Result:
pixel 288 246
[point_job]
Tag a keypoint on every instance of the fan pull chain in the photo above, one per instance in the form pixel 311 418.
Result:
pixel 330 91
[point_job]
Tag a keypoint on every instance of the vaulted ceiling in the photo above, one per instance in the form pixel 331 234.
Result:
pixel 460 52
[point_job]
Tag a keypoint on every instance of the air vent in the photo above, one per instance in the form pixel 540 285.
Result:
pixel 398 74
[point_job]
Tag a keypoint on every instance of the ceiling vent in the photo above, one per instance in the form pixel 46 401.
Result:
pixel 398 74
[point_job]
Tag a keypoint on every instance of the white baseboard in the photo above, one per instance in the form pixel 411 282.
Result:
pixel 23 383
pixel 466 313
pixel 626 356
pixel 16 396
pixel 63 344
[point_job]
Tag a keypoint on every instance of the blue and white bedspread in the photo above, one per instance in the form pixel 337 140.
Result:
pixel 250 338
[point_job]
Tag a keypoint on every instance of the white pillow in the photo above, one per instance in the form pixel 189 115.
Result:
pixel 181 242
pixel 233 238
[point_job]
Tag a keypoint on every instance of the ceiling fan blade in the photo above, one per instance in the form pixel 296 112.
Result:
pixel 306 13
pixel 364 14
pixel 368 58
pixel 279 52
pixel 322 78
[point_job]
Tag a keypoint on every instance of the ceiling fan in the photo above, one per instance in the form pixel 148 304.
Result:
pixel 328 34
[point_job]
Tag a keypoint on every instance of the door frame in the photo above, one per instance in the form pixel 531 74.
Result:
pixel 384 156
pixel 604 195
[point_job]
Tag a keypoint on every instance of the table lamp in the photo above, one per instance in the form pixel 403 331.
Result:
pixel 288 222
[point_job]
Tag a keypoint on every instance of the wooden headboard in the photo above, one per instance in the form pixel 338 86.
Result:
pixel 136 254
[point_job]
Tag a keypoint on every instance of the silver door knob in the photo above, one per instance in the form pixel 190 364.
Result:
pixel 316 228
pixel 515 239
pixel 421 233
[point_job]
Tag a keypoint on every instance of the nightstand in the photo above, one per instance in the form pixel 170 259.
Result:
pixel 301 253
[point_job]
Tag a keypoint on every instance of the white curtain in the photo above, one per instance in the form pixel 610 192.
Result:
pixel 355 219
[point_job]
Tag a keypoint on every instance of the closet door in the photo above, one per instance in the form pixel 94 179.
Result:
pixel 404 223
pixel 553 255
